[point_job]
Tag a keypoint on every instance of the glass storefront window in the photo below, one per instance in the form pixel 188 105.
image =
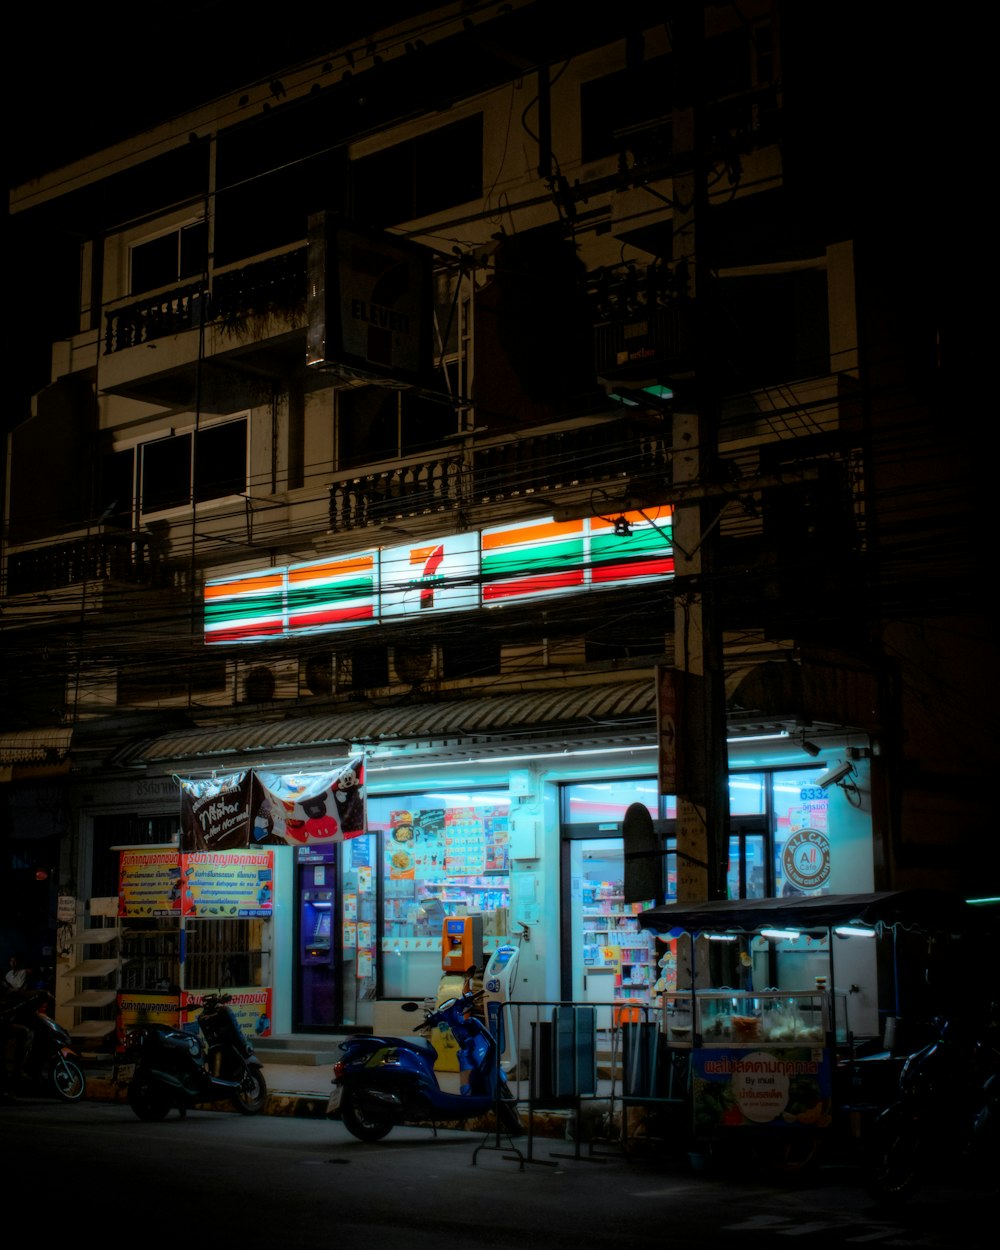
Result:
pixel 747 859
pixel 747 794
pixel 442 855
pixel 801 833
pixel 598 802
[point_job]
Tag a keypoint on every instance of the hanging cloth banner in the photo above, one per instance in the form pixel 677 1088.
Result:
pixel 215 812
pixel 263 808
pixel 297 808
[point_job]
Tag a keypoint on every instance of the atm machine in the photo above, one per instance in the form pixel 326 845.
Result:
pixel 317 999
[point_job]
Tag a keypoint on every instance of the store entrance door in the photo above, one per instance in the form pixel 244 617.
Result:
pixel 613 961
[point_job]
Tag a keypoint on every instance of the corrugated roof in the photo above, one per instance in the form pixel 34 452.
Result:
pixel 570 710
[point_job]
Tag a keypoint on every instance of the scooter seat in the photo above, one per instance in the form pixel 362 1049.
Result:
pixel 419 1045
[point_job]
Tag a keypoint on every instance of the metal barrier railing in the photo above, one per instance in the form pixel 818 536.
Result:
pixel 588 1059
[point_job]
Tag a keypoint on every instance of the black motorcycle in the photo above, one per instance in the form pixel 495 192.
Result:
pixel 945 1117
pixel 38 1053
pixel 210 1063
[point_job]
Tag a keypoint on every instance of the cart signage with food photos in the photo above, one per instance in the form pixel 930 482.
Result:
pixel 768 1059
pixel 737 1088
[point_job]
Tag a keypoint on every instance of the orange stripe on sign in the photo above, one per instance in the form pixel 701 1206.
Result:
pixel 419 554
pixel 660 516
pixel 245 585
pixel 334 568
pixel 531 534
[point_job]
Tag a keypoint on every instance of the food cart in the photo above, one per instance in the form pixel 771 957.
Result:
pixel 773 1069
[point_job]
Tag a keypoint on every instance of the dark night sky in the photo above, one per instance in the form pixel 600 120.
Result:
pixel 83 85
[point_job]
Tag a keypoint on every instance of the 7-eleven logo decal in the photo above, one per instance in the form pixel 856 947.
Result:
pixel 429 559
pixel 440 576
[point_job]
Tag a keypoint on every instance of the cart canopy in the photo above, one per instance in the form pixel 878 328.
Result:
pixel 931 911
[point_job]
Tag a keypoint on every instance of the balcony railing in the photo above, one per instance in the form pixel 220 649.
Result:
pixel 497 469
pixel 125 558
pixel 156 318
pixel 272 287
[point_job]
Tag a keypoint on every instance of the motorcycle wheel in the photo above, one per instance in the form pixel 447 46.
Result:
pixel 67 1080
pixel 252 1097
pixel 892 1155
pixel 361 1121
pixel 147 1098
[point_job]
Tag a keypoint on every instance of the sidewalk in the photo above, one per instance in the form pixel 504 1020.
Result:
pixel 302 1090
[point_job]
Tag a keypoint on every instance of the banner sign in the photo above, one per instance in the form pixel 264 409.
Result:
pixel 458 572
pixel 228 885
pixel 250 1004
pixel 215 814
pixel 316 807
pixel 255 809
pixel 149 883
pixel 135 1008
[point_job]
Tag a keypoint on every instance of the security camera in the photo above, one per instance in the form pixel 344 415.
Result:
pixel 837 773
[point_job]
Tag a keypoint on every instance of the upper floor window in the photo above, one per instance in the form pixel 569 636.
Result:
pixel 178 255
pixel 424 175
pixel 194 466
pixel 628 110
pixel 380 423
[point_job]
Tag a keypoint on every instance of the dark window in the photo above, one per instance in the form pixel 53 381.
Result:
pixel 171 681
pixel 123 830
pixel 220 461
pixel 362 667
pixel 773 328
pixel 629 110
pixel 166 473
pixel 169 258
pixel 270 179
pixel 378 423
pixel 116 486
pixel 472 657
pixel 728 79
pixel 424 175
pixel 219 468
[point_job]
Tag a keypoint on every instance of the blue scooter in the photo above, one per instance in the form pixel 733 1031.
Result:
pixel 384 1081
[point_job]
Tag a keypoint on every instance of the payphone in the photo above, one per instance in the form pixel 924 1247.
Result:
pixel 461 949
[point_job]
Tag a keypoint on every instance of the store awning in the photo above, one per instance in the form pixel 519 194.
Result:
pixel 927 910
pixel 623 713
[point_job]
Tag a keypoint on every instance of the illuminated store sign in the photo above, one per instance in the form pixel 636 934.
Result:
pixel 513 563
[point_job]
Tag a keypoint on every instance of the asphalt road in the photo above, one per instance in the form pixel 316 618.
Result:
pixel 93 1171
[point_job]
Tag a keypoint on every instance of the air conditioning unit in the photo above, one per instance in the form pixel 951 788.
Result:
pixel 414 665
pixel 267 681
pixel 317 673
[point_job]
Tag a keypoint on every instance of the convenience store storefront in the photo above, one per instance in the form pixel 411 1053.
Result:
pixel 464 817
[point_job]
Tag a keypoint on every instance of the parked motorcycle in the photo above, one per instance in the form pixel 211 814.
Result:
pixel 382 1082
pixel 38 1053
pixel 945 1117
pixel 209 1062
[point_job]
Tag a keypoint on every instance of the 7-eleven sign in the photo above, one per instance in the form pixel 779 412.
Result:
pixel 440 575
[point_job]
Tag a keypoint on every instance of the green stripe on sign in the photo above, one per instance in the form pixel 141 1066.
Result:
pixel 531 561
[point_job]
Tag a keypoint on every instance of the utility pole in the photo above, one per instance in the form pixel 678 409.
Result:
pixel 696 683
